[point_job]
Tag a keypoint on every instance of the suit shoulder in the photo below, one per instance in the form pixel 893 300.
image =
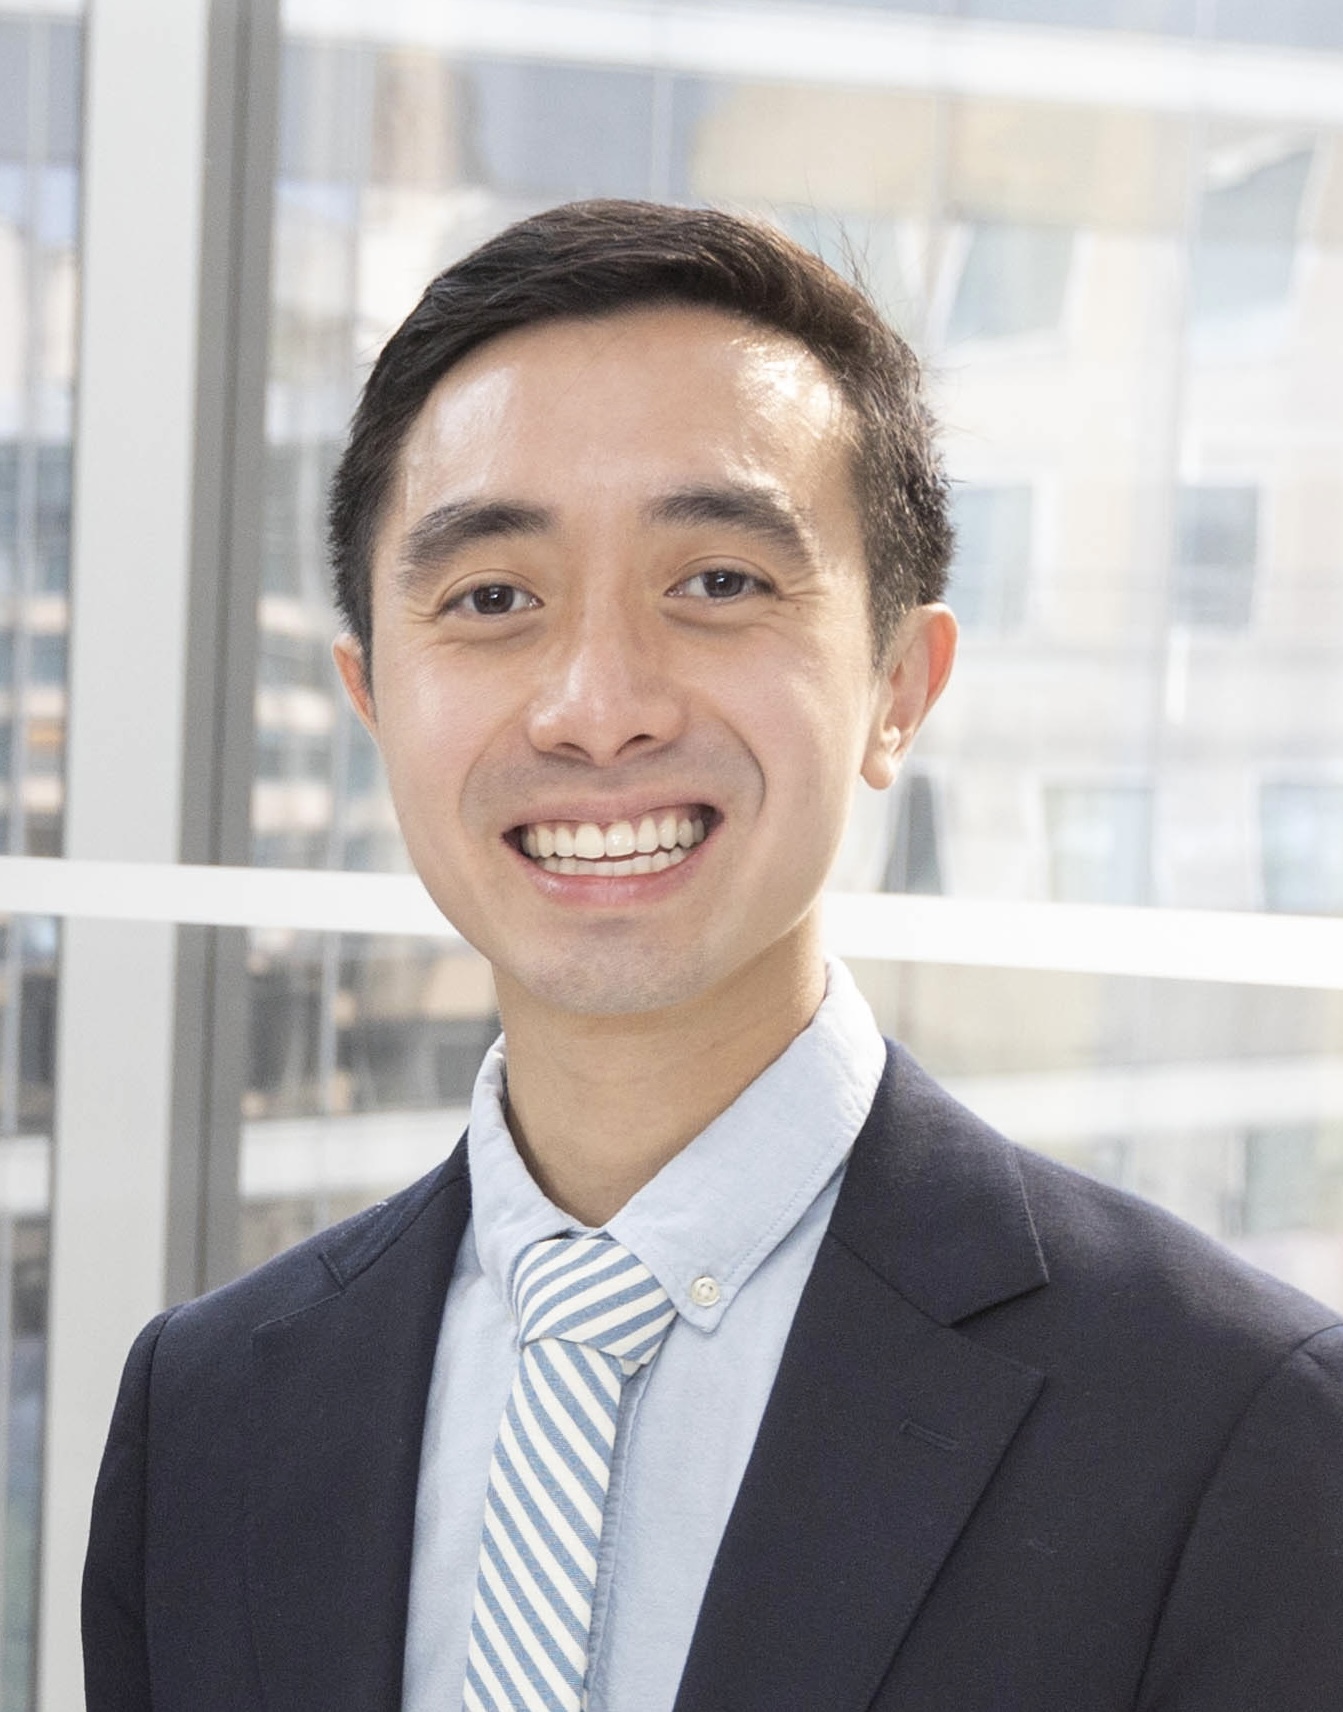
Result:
pixel 1116 1263
pixel 314 1269
pixel 1165 1306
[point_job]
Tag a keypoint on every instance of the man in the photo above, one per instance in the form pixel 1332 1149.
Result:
pixel 640 542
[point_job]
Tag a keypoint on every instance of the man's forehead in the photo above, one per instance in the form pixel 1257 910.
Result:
pixel 691 383
pixel 639 339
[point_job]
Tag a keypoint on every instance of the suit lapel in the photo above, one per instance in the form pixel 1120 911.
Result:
pixel 885 1423
pixel 338 1412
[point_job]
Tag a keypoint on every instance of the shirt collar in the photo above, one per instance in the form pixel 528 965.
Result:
pixel 727 1200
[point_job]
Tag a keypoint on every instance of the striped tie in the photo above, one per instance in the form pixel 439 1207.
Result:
pixel 589 1315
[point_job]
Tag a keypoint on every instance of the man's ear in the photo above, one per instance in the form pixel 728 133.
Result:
pixel 912 676
pixel 348 654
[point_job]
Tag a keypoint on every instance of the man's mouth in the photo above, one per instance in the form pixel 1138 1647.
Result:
pixel 646 845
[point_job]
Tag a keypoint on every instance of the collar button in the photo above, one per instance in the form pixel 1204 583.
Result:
pixel 704 1292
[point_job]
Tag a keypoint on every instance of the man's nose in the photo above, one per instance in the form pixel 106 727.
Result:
pixel 607 692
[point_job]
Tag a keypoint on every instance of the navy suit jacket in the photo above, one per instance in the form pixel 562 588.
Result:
pixel 1033 1447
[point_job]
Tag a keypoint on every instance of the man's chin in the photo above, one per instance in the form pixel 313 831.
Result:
pixel 609 982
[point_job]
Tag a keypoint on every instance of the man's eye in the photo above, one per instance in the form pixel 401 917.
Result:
pixel 720 584
pixel 493 600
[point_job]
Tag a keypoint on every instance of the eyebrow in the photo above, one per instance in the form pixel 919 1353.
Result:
pixel 447 529
pixel 760 511
pixel 457 524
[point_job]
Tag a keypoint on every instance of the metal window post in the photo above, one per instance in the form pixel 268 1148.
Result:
pixel 178 144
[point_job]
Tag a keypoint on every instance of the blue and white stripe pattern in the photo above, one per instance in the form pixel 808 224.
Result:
pixel 589 1315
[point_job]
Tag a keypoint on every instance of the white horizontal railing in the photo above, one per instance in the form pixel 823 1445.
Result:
pixel 1174 944
pixel 857 45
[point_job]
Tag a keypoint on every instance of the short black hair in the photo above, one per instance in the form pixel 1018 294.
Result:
pixel 589 259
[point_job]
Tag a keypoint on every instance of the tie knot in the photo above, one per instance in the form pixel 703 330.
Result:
pixel 590 1290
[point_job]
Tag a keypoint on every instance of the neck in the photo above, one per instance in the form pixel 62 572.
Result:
pixel 598 1104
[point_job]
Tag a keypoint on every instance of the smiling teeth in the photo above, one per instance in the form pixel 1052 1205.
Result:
pixel 653 843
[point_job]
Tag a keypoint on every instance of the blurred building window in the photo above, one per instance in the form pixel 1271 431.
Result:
pixel 1283 23
pixel 9 515
pixel 324 111
pixel 1216 555
pixel 1301 829
pixel 1246 242
pixel 1013 280
pixel 279 560
pixel 47 659
pixel 990 572
pixel 540 130
pixel 363 767
pixel 1293 1178
pixel 915 860
pixel 295 662
pixel 293 755
pixel 53 518
pixel 46 748
pixel 291 848
pixel 1289 23
pixel 1167 16
pixel 1100 843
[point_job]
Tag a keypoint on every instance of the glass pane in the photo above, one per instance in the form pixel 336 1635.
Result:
pixel 1247 226
pixel 1216 550
pixel 28 951
pixel 1167 16
pixel 915 860
pixel 1013 282
pixel 1100 841
pixel 39 193
pixel 1290 23
pixel 1131 337
pixel 1303 847
pixel 550 131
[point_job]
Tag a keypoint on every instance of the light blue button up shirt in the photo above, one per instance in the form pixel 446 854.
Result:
pixel 745 1205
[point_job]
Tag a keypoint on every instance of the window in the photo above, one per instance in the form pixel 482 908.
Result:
pixel 287 755
pixel 48 659
pixel 46 749
pixel 544 130
pixel 9 515
pixel 1247 223
pixel 1301 831
pixel 1216 550
pixel 363 766
pixel 53 518
pixel 1100 843
pixel 1297 23
pixel 1285 1187
pixel 294 662
pixel 992 563
pixel 1166 16
pixel 915 860
pixel 1013 281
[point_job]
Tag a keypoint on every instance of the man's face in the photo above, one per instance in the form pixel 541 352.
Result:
pixel 621 674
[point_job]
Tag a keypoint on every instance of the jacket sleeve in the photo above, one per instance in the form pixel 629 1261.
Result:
pixel 116 1659
pixel 1254 1616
